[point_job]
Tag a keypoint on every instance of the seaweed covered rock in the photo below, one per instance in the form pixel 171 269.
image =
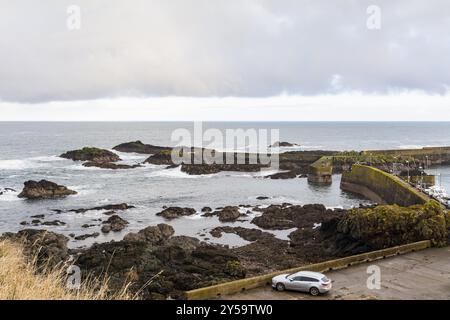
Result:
pixel 391 225
pixel 44 190
pixel 91 154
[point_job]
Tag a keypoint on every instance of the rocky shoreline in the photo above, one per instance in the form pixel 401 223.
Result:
pixel 177 263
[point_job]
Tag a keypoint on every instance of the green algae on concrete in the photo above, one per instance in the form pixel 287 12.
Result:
pixel 380 186
pixel 321 171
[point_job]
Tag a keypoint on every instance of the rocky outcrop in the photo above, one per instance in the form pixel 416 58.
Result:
pixel 283 175
pixel 44 190
pixel 226 214
pixel 110 165
pixel 45 247
pixel 176 212
pixel 283 144
pixel 139 147
pixel 159 264
pixel 160 158
pixel 86 236
pixel 114 223
pixel 279 217
pixel 152 235
pixel 91 154
pixel 198 169
pixel 110 208
pixel 244 233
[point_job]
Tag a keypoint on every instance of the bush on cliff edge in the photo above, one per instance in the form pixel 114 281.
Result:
pixel 391 225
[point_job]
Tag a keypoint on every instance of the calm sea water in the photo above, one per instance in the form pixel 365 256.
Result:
pixel 30 151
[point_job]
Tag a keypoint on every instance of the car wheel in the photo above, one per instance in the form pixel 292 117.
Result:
pixel 280 287
pixel 314 291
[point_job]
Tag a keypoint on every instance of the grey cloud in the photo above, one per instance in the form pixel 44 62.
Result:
pixel 220 48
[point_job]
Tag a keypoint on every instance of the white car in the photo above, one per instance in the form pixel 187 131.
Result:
pixel 304 281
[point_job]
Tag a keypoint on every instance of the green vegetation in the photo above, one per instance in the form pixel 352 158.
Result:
pixel 234 268
pixel 392 225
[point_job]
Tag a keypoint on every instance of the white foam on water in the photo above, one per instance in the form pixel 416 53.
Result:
pixel 195 216
pixel 10 196
pixel 17 164
pixel 82 190
pixel 125 156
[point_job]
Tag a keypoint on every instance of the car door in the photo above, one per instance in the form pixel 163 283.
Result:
pixel 298 283
pixel 310 282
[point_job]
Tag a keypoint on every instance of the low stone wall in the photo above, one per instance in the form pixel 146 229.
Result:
pixel 380 186
pixel 427 155
pixel 231 287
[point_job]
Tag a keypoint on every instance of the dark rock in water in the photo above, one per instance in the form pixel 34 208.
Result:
pixel 24 223
pixel 284 144
pixel 109 213
pixel 91 154
pixel 206 209
pixel 87 225
pixel 262 198
pixel 161 158
pixel 175 264
pixel 35 221
pixel 44 190
pixel 38 216
pixel 139 147
pixel 226 214
pixel 198 169
pixel 153 234
pixel 110 165
pixel 106 228
pixel 176 212
pixel 283 175
pixel 46 246
pixel 53 223
pixel 85 236
pixel 109 207
pixel 244 233
pixel 114 223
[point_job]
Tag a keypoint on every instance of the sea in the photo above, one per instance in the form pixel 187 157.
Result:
pixel 30 151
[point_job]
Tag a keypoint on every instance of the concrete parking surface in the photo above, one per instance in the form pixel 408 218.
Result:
pixel 419 275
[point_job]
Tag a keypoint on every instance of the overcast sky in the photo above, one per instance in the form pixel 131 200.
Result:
pixel 224 60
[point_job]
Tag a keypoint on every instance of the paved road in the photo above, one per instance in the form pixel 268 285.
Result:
pixel 418 275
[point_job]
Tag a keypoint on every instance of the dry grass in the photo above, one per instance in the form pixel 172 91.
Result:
pixel 20 280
